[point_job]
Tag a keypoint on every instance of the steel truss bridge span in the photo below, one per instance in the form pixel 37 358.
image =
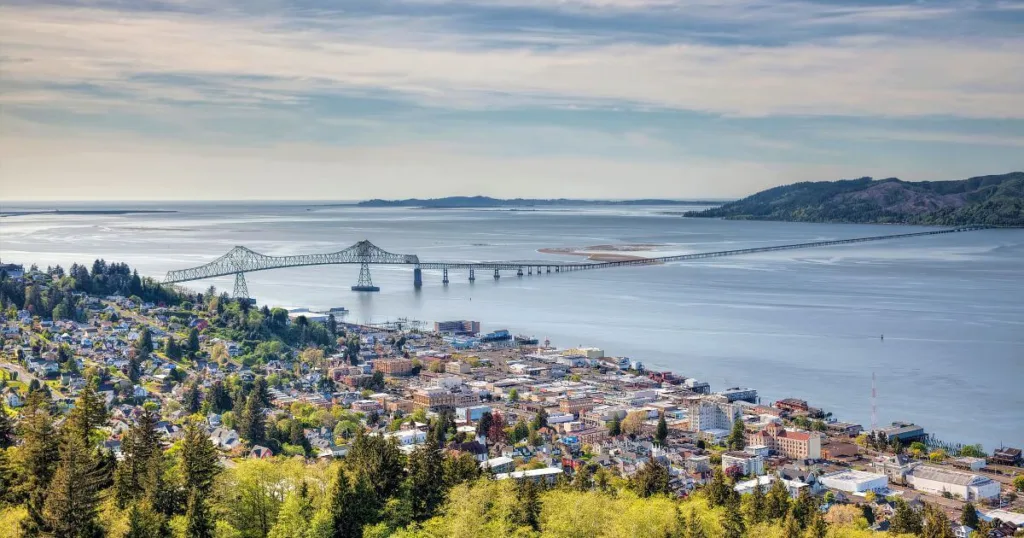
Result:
pixel 241 260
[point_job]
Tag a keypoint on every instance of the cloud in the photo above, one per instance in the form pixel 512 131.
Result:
pixel 248 60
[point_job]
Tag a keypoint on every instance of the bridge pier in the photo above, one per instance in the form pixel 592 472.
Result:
pixel 497 275
pixel 529 270
pixel 444 276
pixel 417 278
pixel 241 288
pixel 472 275
pixel 519 272
pixel 549 268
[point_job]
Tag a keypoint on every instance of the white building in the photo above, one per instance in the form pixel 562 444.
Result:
pixel 712 413
pixel 750 464
pixel 547 475
pixel 964 485
pixel 409 437
pixel 852 481
pixel 765 483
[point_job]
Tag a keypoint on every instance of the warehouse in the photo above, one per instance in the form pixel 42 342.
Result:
pixel 855 482
pixel 963 485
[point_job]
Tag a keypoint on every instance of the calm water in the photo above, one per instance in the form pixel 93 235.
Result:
pixel 799 323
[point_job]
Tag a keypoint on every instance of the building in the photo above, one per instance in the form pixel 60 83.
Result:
pixel 1006 456
pixel 408 437
pixel 457 327
pixel 712 413
pixel 906 432
pixel 576 405
pixel 792 405
pixel 499 465
pixel 471 414
pixel 798 445
pixel 765 483
pixel 852 481
pixel 457 367
pixel 393 366
pixel 12 270
pixel 591 353
pixel 749 464
pixel 895 467
pixel 439 398
pixel 738 394
pixel 547 475
pixel 966 486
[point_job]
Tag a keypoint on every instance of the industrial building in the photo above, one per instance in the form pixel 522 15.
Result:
pixel 967 486
pixel 853 481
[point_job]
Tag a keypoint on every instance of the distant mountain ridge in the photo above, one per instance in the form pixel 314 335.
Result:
pixel 486 201
pixel 996 200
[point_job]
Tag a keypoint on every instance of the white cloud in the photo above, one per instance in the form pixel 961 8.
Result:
pixel 250 60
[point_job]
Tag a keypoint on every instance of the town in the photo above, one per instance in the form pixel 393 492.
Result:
pixel 268 384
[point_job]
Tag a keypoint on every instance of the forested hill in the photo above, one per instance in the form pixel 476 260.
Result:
pixel 993 200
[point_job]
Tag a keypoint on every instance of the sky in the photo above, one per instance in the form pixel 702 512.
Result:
pixel 356 99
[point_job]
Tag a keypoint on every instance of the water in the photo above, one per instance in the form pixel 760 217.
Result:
pixel 802 323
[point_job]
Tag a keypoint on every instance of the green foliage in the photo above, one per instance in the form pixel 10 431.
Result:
pixel 992 200
pixel 651 479
pixel 72 496
pixel 905 520
pixel 661 433
pixel 736 440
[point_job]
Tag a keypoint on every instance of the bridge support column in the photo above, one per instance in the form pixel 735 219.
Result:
pixel 519 272
pixel 444 276
pixel 529 270
pixel 472 275
pixel 365 282
pixel 241 289
pixel 497 275
pixel 417 277
pixel 549 269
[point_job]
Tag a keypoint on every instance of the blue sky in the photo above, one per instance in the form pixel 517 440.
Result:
pixel 268 99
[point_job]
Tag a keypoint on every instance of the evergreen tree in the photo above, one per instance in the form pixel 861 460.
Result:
pixel 615 427
pixel 661 433
pixel 198 523
pixel 378 457
pixel 426 480
pixel 778 501
pixel 253 423
pixel 460 468
pixel 218 398
pixel 694 527
pixel 145 522
pixel 73 494
pixel 651 479
pixel 190 399
pixel 969 517
pixel 791 527
pixel 192 345
pixel 905 520
pixel 89 413
pixel 484 424
pixel 349 512
pixel 583 479
pixel 718 491
pixel 139 445
pixel 540 420
pixel 804 507
pixel 39 456
pixel 6 428
pixel 527 511
pixel 295 515
pixel 198 461
pixel 144 345
pixel 816 527
pixel 732 520
pixel 737 440
pixel 936 524
pixel 757 509
pixel 171 348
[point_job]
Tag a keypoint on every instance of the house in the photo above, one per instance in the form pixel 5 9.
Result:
pixel 962 531
pixel 408 437
pixel 476 449
pixel 895 467
pixel 260 453
pixel 498 465
pixel 224 439
pixel 765 483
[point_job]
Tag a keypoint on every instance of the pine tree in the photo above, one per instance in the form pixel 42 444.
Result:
pixel 171 348
pixel 145 522
pixel 253 423
pixel 661 433
pixel 804 507
pixel 484 424
pixel 969 517
pixel 198 460
pixel 732 520
pixel 348 514
pixel 737 439
pixel 190 399
pixel 197 517
pixel 39 456
pixel 615 427
pixel 540 420
pixel 138 446
pixel 778 501
pixel 905 520
pixel 294 516
pixel 6 428
pixel 144 345
pixel 817 528
pixel 73 494
pixel 694 527
pixel 936 524
pixel 651 479
pixel 758 506
pixel 89 413
pixel 527 512
pixel 193 341
pixel 791 527
pixel 426 480
pixel 717 489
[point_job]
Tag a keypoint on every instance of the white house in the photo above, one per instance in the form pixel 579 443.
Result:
pixel 224 438
pixel 409 437
pixel 765 483
pixel 965 485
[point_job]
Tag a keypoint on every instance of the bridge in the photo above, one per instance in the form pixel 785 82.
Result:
pixel 241 260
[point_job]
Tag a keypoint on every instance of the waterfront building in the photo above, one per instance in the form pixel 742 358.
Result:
pixel 906 432
pixel 966 486
pixel 711 413
pixel 738 394
pixel 457 327
pixel 798 445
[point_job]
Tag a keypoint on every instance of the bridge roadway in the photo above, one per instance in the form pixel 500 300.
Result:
pixel 241 260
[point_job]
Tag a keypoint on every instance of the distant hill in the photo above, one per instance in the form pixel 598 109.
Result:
pixel 451 202
pixel 992 200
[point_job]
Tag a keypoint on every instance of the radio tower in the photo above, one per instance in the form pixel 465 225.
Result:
pixel 874 410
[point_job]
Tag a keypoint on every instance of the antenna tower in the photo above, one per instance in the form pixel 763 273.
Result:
pixel 874 409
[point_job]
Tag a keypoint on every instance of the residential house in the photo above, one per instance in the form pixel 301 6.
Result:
pixel 225 439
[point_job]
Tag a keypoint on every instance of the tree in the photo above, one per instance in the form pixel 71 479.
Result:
pixel 732 521
pixel 171 348
pixel 484 424
pixel 73 495
pixel 347 504
pixel 496 433
pixel 198 461
pixel 778 501
pixel 145 522
pixel 39 456
pixel 583 479
pixel 817 528
pixel 651 479
pixel 192 344
pixel 615 426
pixel 6 428
pixel 253 423
pixel 973 451
pixel 519 432
pixel 379 457
pixel 528 510
pixel 804 507
pixel 191 399
pixel 757 508
pixel 661 433
pixel 1018 483
pixel 294 516
pixel 197 517
pixel 144 345
pixel 89 413
pixel 935 523
pixel 694 527
pixel 905 520
pixel 139 445
pixel 218 398
pixel 540 420
pixel 426 480
pixel 791 527
pixel 737 439
pixel 969 517
pixel 458 469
